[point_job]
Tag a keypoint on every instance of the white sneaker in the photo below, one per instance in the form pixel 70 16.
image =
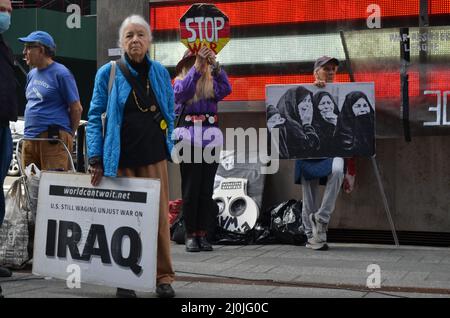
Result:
pixel 315 245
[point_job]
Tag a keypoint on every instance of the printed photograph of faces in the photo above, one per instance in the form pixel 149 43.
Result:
pixel 335 121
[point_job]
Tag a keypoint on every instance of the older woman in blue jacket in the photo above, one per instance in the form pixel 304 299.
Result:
pixel 137 139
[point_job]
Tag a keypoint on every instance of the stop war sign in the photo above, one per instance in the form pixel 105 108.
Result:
pixel 204 24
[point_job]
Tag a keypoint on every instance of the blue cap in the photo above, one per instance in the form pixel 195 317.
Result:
pixel 41 37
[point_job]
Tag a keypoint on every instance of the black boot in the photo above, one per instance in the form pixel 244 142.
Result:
pixel 204 244
pixel 165 291
pixel 125 293
pixel 192 244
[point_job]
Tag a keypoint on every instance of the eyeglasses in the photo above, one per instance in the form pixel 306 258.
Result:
pixel 29 47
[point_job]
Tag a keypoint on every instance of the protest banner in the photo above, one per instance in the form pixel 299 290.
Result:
pixel 109 232
pixel 204 24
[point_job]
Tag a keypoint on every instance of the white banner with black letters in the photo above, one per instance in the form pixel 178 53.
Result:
pixel 109 232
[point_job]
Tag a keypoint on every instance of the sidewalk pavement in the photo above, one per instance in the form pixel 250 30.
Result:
pixel 279 271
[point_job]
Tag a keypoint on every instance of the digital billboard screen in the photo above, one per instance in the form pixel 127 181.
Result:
pixel 277 42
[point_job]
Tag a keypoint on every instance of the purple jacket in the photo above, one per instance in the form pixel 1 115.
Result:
pixel 184 91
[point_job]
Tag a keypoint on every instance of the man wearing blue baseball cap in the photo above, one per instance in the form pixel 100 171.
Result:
pixel 40 37
pixel 53 107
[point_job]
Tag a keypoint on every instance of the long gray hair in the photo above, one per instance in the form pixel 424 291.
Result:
pixel 134 19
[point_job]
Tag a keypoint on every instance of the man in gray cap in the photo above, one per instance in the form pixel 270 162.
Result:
pixel 53 107
pixel 308 172
pixel 325 69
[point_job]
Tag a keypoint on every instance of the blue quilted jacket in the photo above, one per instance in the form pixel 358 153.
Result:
pixel 109 147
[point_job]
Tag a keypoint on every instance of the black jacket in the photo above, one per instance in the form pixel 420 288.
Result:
pixel 8 98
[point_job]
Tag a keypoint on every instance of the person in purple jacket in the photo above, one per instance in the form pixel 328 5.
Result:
pixel 200 84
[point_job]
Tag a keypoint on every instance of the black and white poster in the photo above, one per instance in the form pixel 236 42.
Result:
pixel 335 121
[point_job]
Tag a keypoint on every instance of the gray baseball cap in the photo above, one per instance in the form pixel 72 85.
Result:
pixel 321 61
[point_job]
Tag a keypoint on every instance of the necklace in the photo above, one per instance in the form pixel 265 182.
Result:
pixel 144 110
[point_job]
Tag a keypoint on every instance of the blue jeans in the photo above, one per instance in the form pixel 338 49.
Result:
pixel 6 151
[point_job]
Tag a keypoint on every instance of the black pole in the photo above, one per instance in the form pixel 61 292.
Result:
pixel 424 17
pixel 405 59
pixel 424 45
pixel 347 57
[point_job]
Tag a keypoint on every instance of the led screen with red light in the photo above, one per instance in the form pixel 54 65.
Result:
pixel 374 59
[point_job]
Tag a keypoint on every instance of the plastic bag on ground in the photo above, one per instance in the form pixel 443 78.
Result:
pixel 286 222
pixel 177 230
pixel 14 233
pixel 174 210
pixel 33 175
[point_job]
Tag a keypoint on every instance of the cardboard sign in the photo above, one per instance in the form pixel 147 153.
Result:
pixel 204 24
pixel 335 121
pixel 237 211
pixel 109 232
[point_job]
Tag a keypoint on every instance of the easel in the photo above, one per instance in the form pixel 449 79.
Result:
pixel 372 159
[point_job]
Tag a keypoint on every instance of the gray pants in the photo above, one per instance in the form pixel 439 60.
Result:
pixel 310 189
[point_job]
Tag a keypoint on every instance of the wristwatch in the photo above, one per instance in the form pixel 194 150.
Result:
pixel 95 161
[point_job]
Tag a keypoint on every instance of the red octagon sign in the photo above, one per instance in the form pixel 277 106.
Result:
pixel 204 24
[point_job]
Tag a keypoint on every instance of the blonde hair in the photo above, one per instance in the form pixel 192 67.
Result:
pixel 205 84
